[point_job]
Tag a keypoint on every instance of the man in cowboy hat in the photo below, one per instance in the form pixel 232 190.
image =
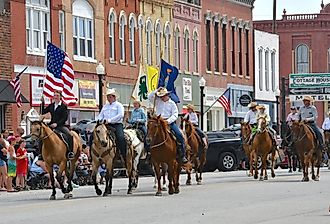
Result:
pixel 251 118
pixel 308 114
pixel 194 120
pixel 59 115
pixel 168 110
pixel 113 113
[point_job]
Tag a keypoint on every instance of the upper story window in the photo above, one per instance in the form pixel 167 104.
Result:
pixel 122 24
pixel 208 45
pixel 195 51
pixel 167 45
pixel 186 49
pixel 267 80
pixel 216 46
pixel 61 28
pixel 37 26
pixel 261 80
pixel 157 41
pixel 272 66
pixel 148 41
pixel 177 47
pixel 302 59
pixel 132 26
pixel 112 21
pixel 83 30
pixel 140 25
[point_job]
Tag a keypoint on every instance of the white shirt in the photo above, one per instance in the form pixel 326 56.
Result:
pixel 326 124
pixel 113 113
pixel 251 117
pixel 167 110
pixel 192 118
pixel 56 105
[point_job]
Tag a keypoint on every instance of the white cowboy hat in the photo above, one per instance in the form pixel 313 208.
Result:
pixel 190 106
pixel 112 92
pixel 252 104
pixel 259 107
pixel 308 98
pixel 162 92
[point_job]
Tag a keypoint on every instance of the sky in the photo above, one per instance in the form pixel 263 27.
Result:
pixel 263 9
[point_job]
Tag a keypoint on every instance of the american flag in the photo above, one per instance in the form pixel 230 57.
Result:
pixel 224 100
pixel 16 83
pixel 60 75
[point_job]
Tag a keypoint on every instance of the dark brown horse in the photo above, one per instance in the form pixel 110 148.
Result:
pixel 246 131
pixel 54 152
pixel 262 145
pixel 327 145
pixel 163 148
pixel 196 153
pixel 306 147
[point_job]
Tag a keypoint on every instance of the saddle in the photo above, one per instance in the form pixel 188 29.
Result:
pixel 314 134
pixel 63 137
pixel 141 136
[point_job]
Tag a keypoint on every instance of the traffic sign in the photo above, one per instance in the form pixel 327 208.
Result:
pixel 318 97
pixel 305 91
pixel 309 80
pixel 245 99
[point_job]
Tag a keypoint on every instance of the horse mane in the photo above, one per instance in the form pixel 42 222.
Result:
pixel 191 125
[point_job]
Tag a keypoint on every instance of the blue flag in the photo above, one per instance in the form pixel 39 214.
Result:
pixel 168 75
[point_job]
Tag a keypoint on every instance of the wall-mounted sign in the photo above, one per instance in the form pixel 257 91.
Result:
pixel 311 80
pixel 187 89
pixel 37 84
pixel 244 100
pixel 318 97
pixel 87 93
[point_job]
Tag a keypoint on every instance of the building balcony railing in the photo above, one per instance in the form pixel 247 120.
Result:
pixel 301 16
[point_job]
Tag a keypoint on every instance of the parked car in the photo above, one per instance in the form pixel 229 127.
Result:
pixel 235 128
pixel 225 152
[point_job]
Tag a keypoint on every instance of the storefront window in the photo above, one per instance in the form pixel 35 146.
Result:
pixel 2 117
pixel 209 120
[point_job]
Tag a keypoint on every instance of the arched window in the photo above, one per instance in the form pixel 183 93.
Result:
pixel 112 21
pixel 177 47
pixel 83 29
pixel 195 51
pixel 167 45
pixel 157 41
pixel 37 25
pixel 186 49
pixel 122 24
pixel 261 80
pixel 140 24
pixel 148 41
pixel 272 66
pixel 267 80
pixel 132 26
pixel 302 59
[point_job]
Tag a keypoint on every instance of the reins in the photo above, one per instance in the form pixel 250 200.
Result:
pixel 159 144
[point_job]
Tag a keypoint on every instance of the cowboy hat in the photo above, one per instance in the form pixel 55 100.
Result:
pixel 191 107
pixel 308 98
pixel 252 104
pixel 162 91
pixel 112 92
pixel 138 102
pixel 259 107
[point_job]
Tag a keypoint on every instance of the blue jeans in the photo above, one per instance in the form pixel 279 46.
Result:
pixel 317 132
pixel 179 137
pixel 199 132
pixel 121 142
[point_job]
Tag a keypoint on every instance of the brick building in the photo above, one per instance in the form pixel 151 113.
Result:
pixel 304 48
pixel 227 44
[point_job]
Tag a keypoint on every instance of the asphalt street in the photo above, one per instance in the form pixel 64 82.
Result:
pixel 222 198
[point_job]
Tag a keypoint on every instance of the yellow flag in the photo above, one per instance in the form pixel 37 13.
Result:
pixel 153 76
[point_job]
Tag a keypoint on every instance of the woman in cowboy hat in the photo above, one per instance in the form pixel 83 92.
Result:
pixel 262 113
pixel 308 114
pixel 194 120
pixel 138 117
pixel 168 110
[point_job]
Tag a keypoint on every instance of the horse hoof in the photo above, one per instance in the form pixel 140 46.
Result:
pixel 52 197
pixel 199 182
pixel 266 178
pixel 176 191
pixel 155 186
pixel 313 177
pixel 188 182
pixel 250 174
pixel 261 179
pixel 164 188
pixel 98 192
pixel 105 194
pixel 170 192
pixel 129 192
pixel 255 177
pixel 66 196
pixel 273 175
pixel 70 195
pixel 316 178
pixel 158 194
pixel 290 171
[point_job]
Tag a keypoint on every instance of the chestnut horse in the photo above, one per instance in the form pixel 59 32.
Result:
pixel 262 145
pixel 163 148
pixel 103 151
pixel 54 152
pixel 196 153
pixel 246 131
pixel 306 147
pixel 327 144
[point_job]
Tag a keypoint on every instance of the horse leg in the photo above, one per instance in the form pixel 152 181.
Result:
pixel 290 161
pixel 304 168
pixel 263 167
pixel 273 164
pixel 110 168
pixel 107 177
pixel 313 171
pixel 255 165
pixel 170 177
pixel 251 164
pixel 164 171
pixel 60 179
pixel 189 171
pixel 176 176
pixel 157 171
pixel 52 179
pixel 69 174
pixel 129 170
pixel 94 173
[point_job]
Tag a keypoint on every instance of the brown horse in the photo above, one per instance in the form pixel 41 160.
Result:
pixel 306 147
pixel 103 151
pixel 246 131
pixel 262 145
pixel 54 152
pixel 163 148
pixel 327 144
pixel 196 153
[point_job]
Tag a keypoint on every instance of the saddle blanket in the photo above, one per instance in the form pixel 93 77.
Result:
pixel 132 135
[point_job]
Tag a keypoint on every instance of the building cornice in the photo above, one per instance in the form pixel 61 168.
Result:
pixel 247 3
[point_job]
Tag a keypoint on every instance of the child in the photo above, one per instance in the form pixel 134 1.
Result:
pixel 22 162
pixel 3 167
pixel 11 162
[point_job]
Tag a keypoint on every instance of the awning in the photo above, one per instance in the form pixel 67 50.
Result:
pixel 7 94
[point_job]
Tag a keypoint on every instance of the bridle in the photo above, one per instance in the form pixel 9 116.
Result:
pixel 259 129
pixel 246 136
pixel 301 128
pixel 185 130
pixel 106 152
pixel 155 134
pixel 39 136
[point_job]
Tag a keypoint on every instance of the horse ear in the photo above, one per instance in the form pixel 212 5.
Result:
pixel 158 116
pixel 149 116
pixel 97 122
pixel 104 122
pixel 188 117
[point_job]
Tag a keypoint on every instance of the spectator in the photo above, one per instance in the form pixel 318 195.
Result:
pixel 22 163
pixel 5 135
pixel 11 162
pixel 3 166
pixel 20 132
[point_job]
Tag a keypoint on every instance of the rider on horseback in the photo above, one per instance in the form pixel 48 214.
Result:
pixel 59 115
pixel 169 112
pixel 251 118
pixel 308 114
pixel 113 114
pixel 271 131
pixel 293 116
pixel 138 118
pixel 194 120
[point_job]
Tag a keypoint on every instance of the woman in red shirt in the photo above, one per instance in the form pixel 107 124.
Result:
pixel 22 165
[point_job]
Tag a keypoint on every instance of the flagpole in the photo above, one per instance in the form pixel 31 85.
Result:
pixel 42 99
pixel 8 84
pixel 160 67
pixel 214 103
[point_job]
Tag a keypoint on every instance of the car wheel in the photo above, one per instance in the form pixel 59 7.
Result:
pixel 227 162
pixel 259 163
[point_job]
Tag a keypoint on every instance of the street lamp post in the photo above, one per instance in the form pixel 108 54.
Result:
pixel 100 71
pixel 277 95
pixel 202 83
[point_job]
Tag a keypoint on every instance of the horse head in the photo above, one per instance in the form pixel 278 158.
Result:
pixel 156 126
pixel 262 124
pixel 245 130
pixel 101 134
pixel 296 128
pixel 37 129
pixel 187 126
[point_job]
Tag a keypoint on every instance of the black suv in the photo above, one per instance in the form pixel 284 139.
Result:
pixel 225 151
